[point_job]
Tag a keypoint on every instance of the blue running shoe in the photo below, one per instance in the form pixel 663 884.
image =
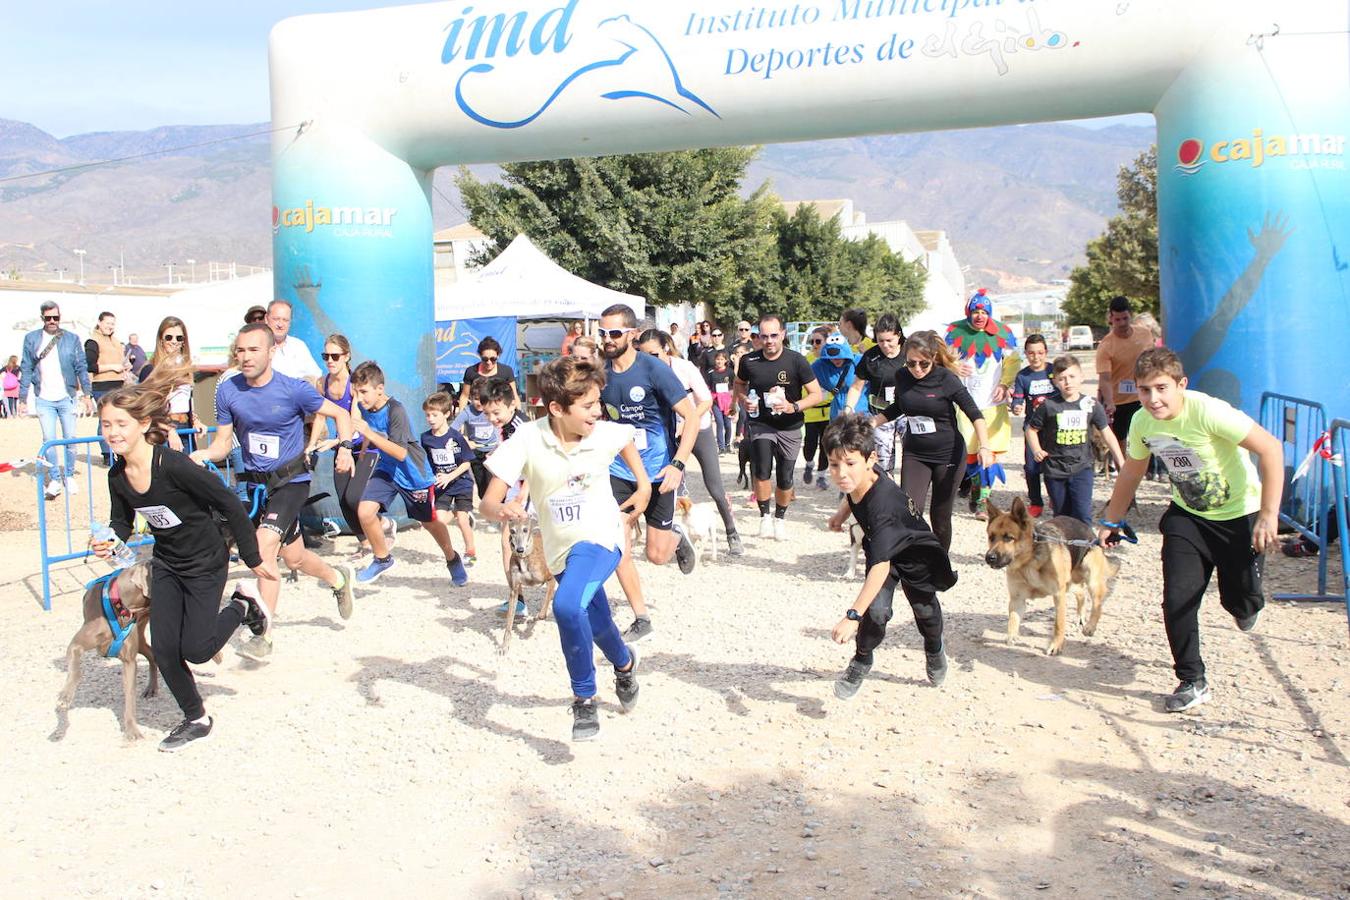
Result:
pixel 458 575
pixel 521 608
pixel 373 571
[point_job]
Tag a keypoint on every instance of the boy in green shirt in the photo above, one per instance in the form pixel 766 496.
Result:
pixel 1221 517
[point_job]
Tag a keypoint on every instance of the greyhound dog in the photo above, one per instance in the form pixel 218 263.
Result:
pixel 527 568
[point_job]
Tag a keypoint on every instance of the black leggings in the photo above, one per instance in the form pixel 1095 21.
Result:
pixel 916 476
pixel 349 486
pixel 188 626
pixel 705 451
pixel 927 616
pixel 813 445
pixel 481 476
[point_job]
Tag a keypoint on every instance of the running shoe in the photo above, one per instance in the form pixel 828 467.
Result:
pixel 53 489
pixel 184 733
pixel 626 683
pixel 848 683
pixel 936 666
pixel 1188 694
pixel 469 559
pixel 779 529
pixel 734 545
pixel 256 648
pixel 585 719
pixel 521 608
pixel 685 554
pixel 390 529
pixel 806 475
pixel 72 486
pixel 1035 509
pixel 345 592
pixel 766 526
pixel 641 627
pixel 458 575
pixel 1248 623
pixel 256 615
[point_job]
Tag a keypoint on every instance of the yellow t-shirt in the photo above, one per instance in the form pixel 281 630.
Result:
pixel 1116 357
pixel 1211 475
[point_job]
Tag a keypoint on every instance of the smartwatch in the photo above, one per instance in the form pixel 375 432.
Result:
pixel 344 445
pixel 853 615
pixel 677 464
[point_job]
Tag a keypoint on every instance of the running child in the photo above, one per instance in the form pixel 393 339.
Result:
pixel 178 499
pixel 565 460
pixel 401 471
pixel 450 458
pixel 1222 516
pixel 900 549
pixel 1030 388
pixel 479 431
pixel 1057 437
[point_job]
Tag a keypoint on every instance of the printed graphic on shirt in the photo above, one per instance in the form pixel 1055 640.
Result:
pixel 1201 489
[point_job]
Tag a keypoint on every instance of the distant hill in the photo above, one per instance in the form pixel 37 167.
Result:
pixel 1018 202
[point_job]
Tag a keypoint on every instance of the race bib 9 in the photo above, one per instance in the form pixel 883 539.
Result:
pixel 160 517
pixel 266 446
pixel 566 508
pixel 920 425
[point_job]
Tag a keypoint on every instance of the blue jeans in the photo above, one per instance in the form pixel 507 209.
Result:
pixel 581 610
pixel 1032 470
pixel 1072 496
pixel 50 413
pixel 723 425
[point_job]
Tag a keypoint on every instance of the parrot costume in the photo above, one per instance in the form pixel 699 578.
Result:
pixel 992 350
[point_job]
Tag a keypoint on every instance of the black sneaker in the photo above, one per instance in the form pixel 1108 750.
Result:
pixel 184 733
pixel 1248 623
pixel 685 554
pixel 585 719
pixel 626 683
pixel 963 490
pixel 847 685
pixel 256 616
pixel 736 548
pixel 936 664
pixel 806 475
pixel 641 627
pixel 1187 695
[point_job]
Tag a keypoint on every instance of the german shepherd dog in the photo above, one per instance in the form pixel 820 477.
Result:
pixel 1046 558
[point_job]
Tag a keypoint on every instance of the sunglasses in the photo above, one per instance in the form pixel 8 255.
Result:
pixel 332 356
pixel 739 328
pixel 918 364
pixel 174 338
pixel 488 358
pixel 817 341
pixel 717 334
pixel 51 318
pixel 613 333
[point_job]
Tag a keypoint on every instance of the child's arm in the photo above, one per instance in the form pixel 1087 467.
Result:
pixel 1270 465
pixel 445 479
pixel 1034 442
pixel 494 506
pixel 1127 482
pixel 638 501
pixel 872 585
pixel 840 515
pixel 380 442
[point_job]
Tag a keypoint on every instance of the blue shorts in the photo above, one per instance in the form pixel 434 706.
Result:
pixel 382 490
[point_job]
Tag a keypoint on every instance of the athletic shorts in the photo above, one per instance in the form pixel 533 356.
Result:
pixel 660 511
pixel 382 490
pixel 786 445
pixel 281 513
pixel 458 503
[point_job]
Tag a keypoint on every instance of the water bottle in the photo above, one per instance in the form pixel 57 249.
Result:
pixel 122 556
pixel 752 403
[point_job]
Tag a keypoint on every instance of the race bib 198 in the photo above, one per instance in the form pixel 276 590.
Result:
pixel 160 517
pixel 266 446
pixel 920 425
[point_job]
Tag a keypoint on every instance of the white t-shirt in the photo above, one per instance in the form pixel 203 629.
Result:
pixel 693 382
pixel 294 359
pixel 51 381
pixel 569 488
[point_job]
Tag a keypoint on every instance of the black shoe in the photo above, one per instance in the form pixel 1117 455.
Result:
pixel 806 476
pixel 255 614
pixel 964 489
pixel 1187 695
pixel 736 548
pixel 685 555
pixel 184 733
pixel 1248 623
pixel 851 680
pixel 626 683
pixel 936 664
pixel 585 719
pixel 641 627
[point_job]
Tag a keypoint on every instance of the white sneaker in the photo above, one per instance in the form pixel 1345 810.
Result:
pixel 779 529
pixel 390 529
pixel 72 486
pixel 766 526
pixel 53 490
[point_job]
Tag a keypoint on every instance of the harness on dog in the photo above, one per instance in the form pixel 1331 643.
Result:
pixel 114 611
pixel 1044 537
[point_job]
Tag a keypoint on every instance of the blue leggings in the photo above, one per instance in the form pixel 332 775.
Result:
pixel 582 613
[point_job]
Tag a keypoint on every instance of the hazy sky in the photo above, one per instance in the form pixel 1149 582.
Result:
pixel 72 66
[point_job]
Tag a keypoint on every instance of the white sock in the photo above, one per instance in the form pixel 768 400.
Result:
pixel 204 720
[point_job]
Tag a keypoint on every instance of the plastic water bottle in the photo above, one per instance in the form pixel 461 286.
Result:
pixel 752 403
pixel 122 556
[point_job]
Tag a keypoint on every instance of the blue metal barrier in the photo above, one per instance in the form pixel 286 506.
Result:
pixel 1306 502
pixel 91 446
pixel 1339 430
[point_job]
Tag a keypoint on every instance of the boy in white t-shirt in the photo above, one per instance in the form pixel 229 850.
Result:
pixel 565 460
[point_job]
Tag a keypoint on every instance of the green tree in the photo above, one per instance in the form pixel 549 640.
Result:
pixel 1123 259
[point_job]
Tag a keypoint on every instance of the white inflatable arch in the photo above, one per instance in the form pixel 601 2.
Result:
pixel 1252 100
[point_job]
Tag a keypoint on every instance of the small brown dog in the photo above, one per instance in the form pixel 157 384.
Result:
pixel 133 587
pixel 527 568
pixel 699 521
pixel 1101 453
pixel 1044 559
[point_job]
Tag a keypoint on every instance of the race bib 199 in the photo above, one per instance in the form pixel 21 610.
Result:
pixel 920 425
pixel 1072 420
pixel 160 517
pixel 266 446
pixel 566 508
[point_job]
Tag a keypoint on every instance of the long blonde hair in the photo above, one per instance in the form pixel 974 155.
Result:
pixel 929 345
pixel 171 372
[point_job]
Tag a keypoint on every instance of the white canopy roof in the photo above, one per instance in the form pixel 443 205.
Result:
pixel 524 283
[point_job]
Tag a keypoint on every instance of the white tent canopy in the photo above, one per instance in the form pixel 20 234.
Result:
pixel 524 283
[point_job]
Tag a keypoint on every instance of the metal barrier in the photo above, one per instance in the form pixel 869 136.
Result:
pixel 1339 429
pixel 91 448
pixel 1306 501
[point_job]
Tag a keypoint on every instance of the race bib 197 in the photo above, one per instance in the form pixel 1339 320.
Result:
pixel 567 508
pixel 267 446
pixel 160 517
pixel 920 425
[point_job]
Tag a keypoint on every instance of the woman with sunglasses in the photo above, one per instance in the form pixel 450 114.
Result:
pixel 171 365
pixel 878 371
pixel 927 394
pixel 490 368
pixel 336 385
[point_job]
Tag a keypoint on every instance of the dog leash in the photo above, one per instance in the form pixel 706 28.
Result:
pixel 1126 534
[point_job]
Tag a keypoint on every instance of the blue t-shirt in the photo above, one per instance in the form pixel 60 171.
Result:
pixel 391 420
pixel 269 420
pixel 445 452
pixel 644 396
pixel 1032 388
pixel 477 427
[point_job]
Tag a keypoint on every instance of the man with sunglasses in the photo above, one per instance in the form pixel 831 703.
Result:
pixel 54 365
pixel 292 355
pixel 773 385
pixel 488 368
pixel 742 339
pixel 644 392
pixel 255 315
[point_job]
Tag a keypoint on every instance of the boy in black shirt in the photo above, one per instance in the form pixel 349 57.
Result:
pixel 1057 434
pixel 1030 389
pixel 900 549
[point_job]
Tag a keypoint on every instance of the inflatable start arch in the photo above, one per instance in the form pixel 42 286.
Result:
pixel 1252 101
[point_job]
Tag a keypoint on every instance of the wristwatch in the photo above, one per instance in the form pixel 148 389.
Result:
pixel 853 615
pixel 677 464
pixel 344 445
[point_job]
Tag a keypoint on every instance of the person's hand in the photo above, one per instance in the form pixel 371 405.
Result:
pixel 86 405
pixel 262 573
pixel 670 478
pixel 1018 409
pixel 844 631
pixel 965 369
pixel 987 457
pixel 101 549
pixel 342 463
pixel 1108 537
pixel 1265 533
pixel 200 457
pixel 1040 455
pixel 1110 411
pixel 443 480
pixel 837 520
pixel 360 427
pixel 513 511
pixel 1000 394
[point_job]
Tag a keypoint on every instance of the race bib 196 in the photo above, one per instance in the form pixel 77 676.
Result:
pixel 442 456
pixel 920 425
pixel 567 508
pixel 160 517
pixel 266 446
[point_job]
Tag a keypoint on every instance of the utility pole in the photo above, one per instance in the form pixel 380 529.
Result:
pixel 169 266
pixel 80 254
pixel 193 264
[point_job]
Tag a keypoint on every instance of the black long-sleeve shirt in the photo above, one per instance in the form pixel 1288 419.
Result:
pixel 930 403
pixel 178 506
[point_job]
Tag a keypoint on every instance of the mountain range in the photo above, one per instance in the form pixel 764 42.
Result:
pixel 1019 203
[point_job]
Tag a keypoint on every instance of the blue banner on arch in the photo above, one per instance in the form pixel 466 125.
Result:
pixel 457 344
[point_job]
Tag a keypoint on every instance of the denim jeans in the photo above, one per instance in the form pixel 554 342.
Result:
pixel 1072 496
pixel 50 413
pixel 723 426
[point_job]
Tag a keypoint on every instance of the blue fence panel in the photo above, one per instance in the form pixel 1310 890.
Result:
pixel 1307 498
pixel 1340 428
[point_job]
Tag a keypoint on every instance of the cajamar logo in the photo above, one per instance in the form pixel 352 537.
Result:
pixel 1312 150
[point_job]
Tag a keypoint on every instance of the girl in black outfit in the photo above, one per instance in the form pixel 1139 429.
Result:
pixel 178 498
pixel 928 393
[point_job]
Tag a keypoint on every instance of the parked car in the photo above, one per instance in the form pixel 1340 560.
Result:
pixel 1080 338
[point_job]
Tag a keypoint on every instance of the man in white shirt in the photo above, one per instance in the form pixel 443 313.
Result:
pixel 292 355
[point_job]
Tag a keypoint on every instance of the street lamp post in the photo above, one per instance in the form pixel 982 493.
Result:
pixel 169 266
pixel 193 264
pixel 113 270
pixel 80 254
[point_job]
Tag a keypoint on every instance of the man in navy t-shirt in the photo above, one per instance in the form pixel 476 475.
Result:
pixel 267 410
pixel 643 392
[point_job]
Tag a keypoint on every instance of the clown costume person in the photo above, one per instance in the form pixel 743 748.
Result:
pixel 987 352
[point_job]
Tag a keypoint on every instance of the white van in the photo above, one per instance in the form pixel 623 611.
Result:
pixel 1080 338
